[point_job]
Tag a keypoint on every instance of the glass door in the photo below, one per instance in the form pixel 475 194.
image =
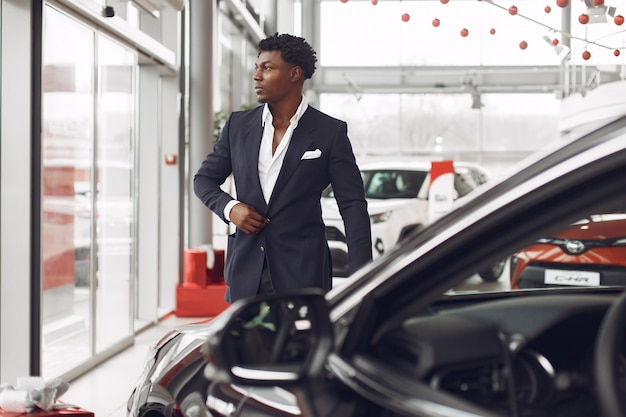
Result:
pixel 114 189
pixel 88 136
pixel 67 158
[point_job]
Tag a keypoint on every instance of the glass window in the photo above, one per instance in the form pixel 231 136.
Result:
pixel 507 127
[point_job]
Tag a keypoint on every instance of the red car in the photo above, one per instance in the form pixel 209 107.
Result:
pixel 591 252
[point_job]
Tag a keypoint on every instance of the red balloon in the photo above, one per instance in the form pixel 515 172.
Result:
pixel 374 2
pixel 583 19
pixel 616 52
pixel 512 10
pixel 586 55
pixel 436 22
pixel 464 32
pixel 562 3
pixel 599 2
pixel 523 45
pixel 555 41
pixel 492 31
pixel 547 9
pixel 444 1
pixel 406 17
pixel 619 20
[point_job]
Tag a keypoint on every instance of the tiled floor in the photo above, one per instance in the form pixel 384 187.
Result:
pixel 105 389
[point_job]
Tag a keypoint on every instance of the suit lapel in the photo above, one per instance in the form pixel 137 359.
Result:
pixel 255 133
pixel 300 142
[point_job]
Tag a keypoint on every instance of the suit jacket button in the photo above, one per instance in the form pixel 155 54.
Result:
pixel 262 249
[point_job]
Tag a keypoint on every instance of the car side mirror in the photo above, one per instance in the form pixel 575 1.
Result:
pixel 272 339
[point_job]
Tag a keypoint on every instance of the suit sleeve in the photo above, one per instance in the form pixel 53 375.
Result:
pixel 348 188
pixel 212 173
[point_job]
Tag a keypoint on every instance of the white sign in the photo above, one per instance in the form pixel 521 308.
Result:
pixel 582 278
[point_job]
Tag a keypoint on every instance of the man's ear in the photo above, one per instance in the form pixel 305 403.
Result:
pixel 296 74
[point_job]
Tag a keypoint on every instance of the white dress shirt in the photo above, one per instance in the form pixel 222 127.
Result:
pixel 269 164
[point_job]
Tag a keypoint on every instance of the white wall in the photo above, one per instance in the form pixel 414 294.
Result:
pixel 148 158
pixel 15 193
pixel 171 196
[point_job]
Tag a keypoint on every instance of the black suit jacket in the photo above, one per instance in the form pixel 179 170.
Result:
pixel 294 242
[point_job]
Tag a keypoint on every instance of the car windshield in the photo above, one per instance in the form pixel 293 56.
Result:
pixel 390 183
pixel 385 184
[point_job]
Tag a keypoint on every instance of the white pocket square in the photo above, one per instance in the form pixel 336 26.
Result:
pixel 311 154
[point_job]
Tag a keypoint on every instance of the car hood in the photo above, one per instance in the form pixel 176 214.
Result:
pixel 597 227
pixel 330 210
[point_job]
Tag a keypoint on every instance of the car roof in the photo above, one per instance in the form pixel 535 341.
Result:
pixel 420 165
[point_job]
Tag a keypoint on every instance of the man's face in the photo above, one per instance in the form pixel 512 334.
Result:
pixel 272 77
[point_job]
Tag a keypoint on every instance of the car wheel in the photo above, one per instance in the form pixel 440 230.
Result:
pixel 494 273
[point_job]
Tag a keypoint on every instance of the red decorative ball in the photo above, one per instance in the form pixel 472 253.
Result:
pixel 599 2
pixel 583 19
pixel 619 20
pixel 436 23
pixel 512 10
pixel 343 1
pixel 555 41
pixel 464 32
pixel 406 17
pixel 374 2
pixel 586 55
pixel 444 1
pixel 523 45
pixel 616 52
pixel 547 9
pixel 562 3
pixel 492 31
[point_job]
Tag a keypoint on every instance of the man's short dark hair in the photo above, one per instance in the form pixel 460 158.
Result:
pixel 293 49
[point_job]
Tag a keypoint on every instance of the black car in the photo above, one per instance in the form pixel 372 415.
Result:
pixel 403 338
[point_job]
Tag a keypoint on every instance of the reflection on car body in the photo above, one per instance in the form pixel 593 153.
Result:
pixel 395 341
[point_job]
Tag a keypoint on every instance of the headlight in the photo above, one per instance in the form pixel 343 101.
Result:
pixel 380 217
pixel 143 385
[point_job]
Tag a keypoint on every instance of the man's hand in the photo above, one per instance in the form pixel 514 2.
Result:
pixel 247 219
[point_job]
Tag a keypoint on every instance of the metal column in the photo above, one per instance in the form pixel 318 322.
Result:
pixel 202 28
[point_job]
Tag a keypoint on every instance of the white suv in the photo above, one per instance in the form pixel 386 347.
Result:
pixel 397 196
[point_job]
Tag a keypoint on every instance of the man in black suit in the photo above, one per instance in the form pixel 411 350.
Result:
pixel 282 155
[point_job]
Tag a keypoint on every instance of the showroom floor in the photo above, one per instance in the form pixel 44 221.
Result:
pixel 105 389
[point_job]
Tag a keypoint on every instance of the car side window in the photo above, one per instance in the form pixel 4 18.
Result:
pixel 480 176
pixel 463 181
pixel 394 184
